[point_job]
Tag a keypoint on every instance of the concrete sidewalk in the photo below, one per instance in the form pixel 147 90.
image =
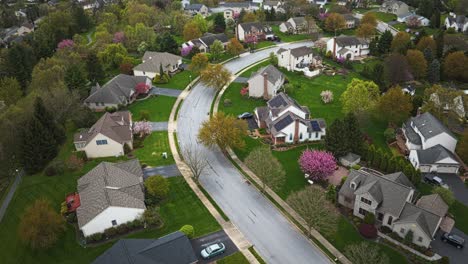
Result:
pixel 10 194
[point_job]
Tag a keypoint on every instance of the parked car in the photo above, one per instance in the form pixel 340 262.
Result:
pixel 434 180
pixel 245 115
pixel 213 250
pixel 454 240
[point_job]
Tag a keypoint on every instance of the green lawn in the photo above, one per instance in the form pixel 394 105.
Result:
pixel 179 81
pixel 264 44
pixel 153 147
pixel 347 32
pixel 400 26
pixel 159 108
pixel 460 212
pixel 288 37
pixel 385 17
pixel 239 103
pixel 236 258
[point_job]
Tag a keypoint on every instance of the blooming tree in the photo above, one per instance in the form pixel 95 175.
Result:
pixel 142 128
pixel 119 37
pixel 142 88
pixel 185 50
pixel 413 22
pixel 341 59
pixel 244 91
pixel 66 43
pixel 318 164
pixel 327 96
pixel 323 16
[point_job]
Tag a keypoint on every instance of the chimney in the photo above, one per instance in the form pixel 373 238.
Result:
pixel 334 47
pixel 265 86
pixel 296 131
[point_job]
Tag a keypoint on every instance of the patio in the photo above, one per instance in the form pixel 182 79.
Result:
pixel 336 177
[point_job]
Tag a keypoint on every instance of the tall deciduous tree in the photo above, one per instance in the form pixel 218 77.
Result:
pixel 191 31
pixel 234 47
pixel 456 66
pixel 10 91
pixel 425 43
pixel 417 63
pixel 223 131
pixel 364 253
pixel 318 213
pixel 76 78
pixel 249 17
pixel 113 55
pixel 199 62
pixel 267 168
pixel 335 22
pixel 369 18
pixel 397 69
pixel 401 42
pixel 395 106
pixel 216 49
pixel 40 226
pixel 215 76
pixel 365 31
pixel 195 159
pixel 360 96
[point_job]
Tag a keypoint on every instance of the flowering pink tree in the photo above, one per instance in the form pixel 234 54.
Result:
pixel 66 43
pixel 142 128
pixel 186 50
pixel 323 16
pixel 341 59
pixel 327 96
pixel 318 164
pixel 244 91
pixel 119 37
pixel 142 88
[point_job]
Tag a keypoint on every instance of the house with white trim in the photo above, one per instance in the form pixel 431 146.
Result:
pixel 153 61
pixel 457 22
pixel 348 47
pixel 266 82
pixel 298 59
pixel 253 31
pixel 394 7
pixel 203 43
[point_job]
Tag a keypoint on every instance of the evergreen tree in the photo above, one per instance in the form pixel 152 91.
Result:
pixel 355 140
pixel 422 33
pixel 377 159
pixel 94 68
pixel 76 79
pixel 219 23
pixel 401 164
pixel 428 55
pixel 373 46
pixel 416 177
pixel 439 39
pixel 335 141
pixel 38 146
pixel 378 76
pixel 19 64
pixel 166 43
pixel 47 121
pixel 161 71
pixel 391 166
pixel 433 74
pixel 81 19
pixel 385 42
pixel 384 163
pixel 435 19
pixel 408 171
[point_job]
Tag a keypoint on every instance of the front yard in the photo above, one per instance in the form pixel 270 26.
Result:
pixel 288 37
pixel 158 107
pixel 179 81
pixel 385 17
pixel 152 148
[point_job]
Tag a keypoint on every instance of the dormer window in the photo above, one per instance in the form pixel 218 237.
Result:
pixel 353 185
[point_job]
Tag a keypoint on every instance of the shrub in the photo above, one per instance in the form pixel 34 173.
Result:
pixel 386 230
pixel 389 134
pixel 110 109
pixel 144 115
pixel 63 208
pixel 75 162
pixel 151 216
pixel 123 228
pixel 356 167
pixel 327 96
pixel 157 186
pixel 110 232
pixel 408 238
pixel 368 231
pixel 369 219
pixel 54 168
pixel 161 79
pixel 71 218
pixel 227 102
pixel 343 180
pixel 444 260
pixel 94 237
pixel 451 30
pixel 188 230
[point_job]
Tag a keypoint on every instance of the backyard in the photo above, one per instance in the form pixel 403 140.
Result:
pixel 158 107
pixel 385 17
pixel 288 37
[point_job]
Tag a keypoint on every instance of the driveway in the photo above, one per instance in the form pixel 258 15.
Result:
pixel 241 79
pixel 457 256
pixel 198 244
pixel 165 171
pixel 158 126
pixel 457 186
pixel 276 239
pixel 165 91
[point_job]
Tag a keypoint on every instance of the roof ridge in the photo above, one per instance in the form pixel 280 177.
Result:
pixel 105 182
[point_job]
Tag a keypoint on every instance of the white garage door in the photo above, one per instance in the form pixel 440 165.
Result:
pixel 425 168
pixel 447 169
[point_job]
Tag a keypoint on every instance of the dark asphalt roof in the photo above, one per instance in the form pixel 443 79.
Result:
pixel 248 27
pixel 434 154
pixel 174 248
pixel 349 41
pixel 425 219
pixel 208 39
pixel 301 51
pixel 411 135
pixel 429 126
pixel 273 74
pixel 115 91
pixel 113 125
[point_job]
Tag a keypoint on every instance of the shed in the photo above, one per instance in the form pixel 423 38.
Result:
pixel 350 159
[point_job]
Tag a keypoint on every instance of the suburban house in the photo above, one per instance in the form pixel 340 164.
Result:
pixel 456 105
pixel 229 14
pixel 195 9
pixel 348 47
pixel 298 59
pixel 394 7
pixel 273 4
pixel 253 32
pixel 408 17
pixel 298 25
pixel 153 61
pixel 25 29
pixel 350 159
pixel 174 248
pixel 266 82
pixel 431 145
pixel 235 7
pixel 288 122
pixel 350 21
pixel 111 194
pixel 118 91
pixel 391 199
pixel 107 137
pixel 458 22
pixel 185 3
pixel 204 43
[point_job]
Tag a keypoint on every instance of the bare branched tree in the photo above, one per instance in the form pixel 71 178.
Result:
pixel 195 159
pixel 262 162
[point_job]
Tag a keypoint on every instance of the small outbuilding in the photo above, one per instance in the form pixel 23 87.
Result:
pixel 350 159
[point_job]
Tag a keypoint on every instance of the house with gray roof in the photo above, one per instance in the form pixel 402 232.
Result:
pixel 350 21
pixel 110 194
pixel 153 61
pixel 299 25
pixel 266 82
pixel 203 43
pixel 107 137
pixel 253 32
pixel 394 7
pixel 195 9
pixel 348 47
pixel 457 22
pixel 391 199
pixel 298 59
pixel 119 91
pixel 174 248
pixel 288 122
pixel 431 144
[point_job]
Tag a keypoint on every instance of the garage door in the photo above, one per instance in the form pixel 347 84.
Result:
pixel 447 169
pixel 425 168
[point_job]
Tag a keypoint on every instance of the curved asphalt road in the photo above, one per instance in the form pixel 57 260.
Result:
pixel 261 222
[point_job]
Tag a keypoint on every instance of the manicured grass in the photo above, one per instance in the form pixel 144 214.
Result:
pixel 239 103
pixel 289 37
pixel 256 255
pixel 159 108
pixel 385 17
pixel 400 26
pixel 264 44
pixel 179 81
pixel 253 69
pixel 347 32
pixel 250 144
pixel 460 212
pixel 153 147
pixel 236 258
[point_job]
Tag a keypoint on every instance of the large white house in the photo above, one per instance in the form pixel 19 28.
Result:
pixel 297 59
pixel 253 31
pixel 298 25
pixel 431 144
pixel 457 22
pixel 203 43
pixel 153 61
pixel 110 194
pixel 391 199
pixel 265 83
pixel 288 122
pixel 348 47
pixel 107 137
pixel 394 7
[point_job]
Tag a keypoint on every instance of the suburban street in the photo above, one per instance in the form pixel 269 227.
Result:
pixel 264 226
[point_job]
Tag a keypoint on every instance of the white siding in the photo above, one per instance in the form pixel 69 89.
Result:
pixel 417 233
pixel 293 110
pixel 256 86
pixel 104 220
pixel 112 148
pixel 150 75
pixel 443 139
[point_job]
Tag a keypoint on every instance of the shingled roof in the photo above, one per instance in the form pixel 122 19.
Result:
pixel 248 27
pixel 429 126
pixel 273 74
pixel 209 39
pixel 116 91
pixel 174 248
pixel 434 204
pixel 424 219
pixel 344 41
pixel 152 61
pixel 434 155
pixel 110 184
pixel 116 126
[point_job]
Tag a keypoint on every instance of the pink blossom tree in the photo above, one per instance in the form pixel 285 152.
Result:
pixel 185 51
pixel 142 128
pixel 119 37
pixel 244 91
pixel 318 164
pixel 142 88
pixel 66 43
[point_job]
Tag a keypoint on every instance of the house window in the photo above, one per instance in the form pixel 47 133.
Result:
pixel 390 220
pixel 380 216
pixel 316 134
pixel 300 135
pixel 402 230
pixel 366 201
pixel 101 142
pixel 363 212
pixel 114 222
pixel 420 239
pixel 290 136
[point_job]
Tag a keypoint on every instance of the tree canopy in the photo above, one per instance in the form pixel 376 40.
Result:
pixel 360 96
pixel 223 131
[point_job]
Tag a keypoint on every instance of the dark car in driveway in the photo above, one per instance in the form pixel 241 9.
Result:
pixel 453 240
pixel 245 115
pixel 434 180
